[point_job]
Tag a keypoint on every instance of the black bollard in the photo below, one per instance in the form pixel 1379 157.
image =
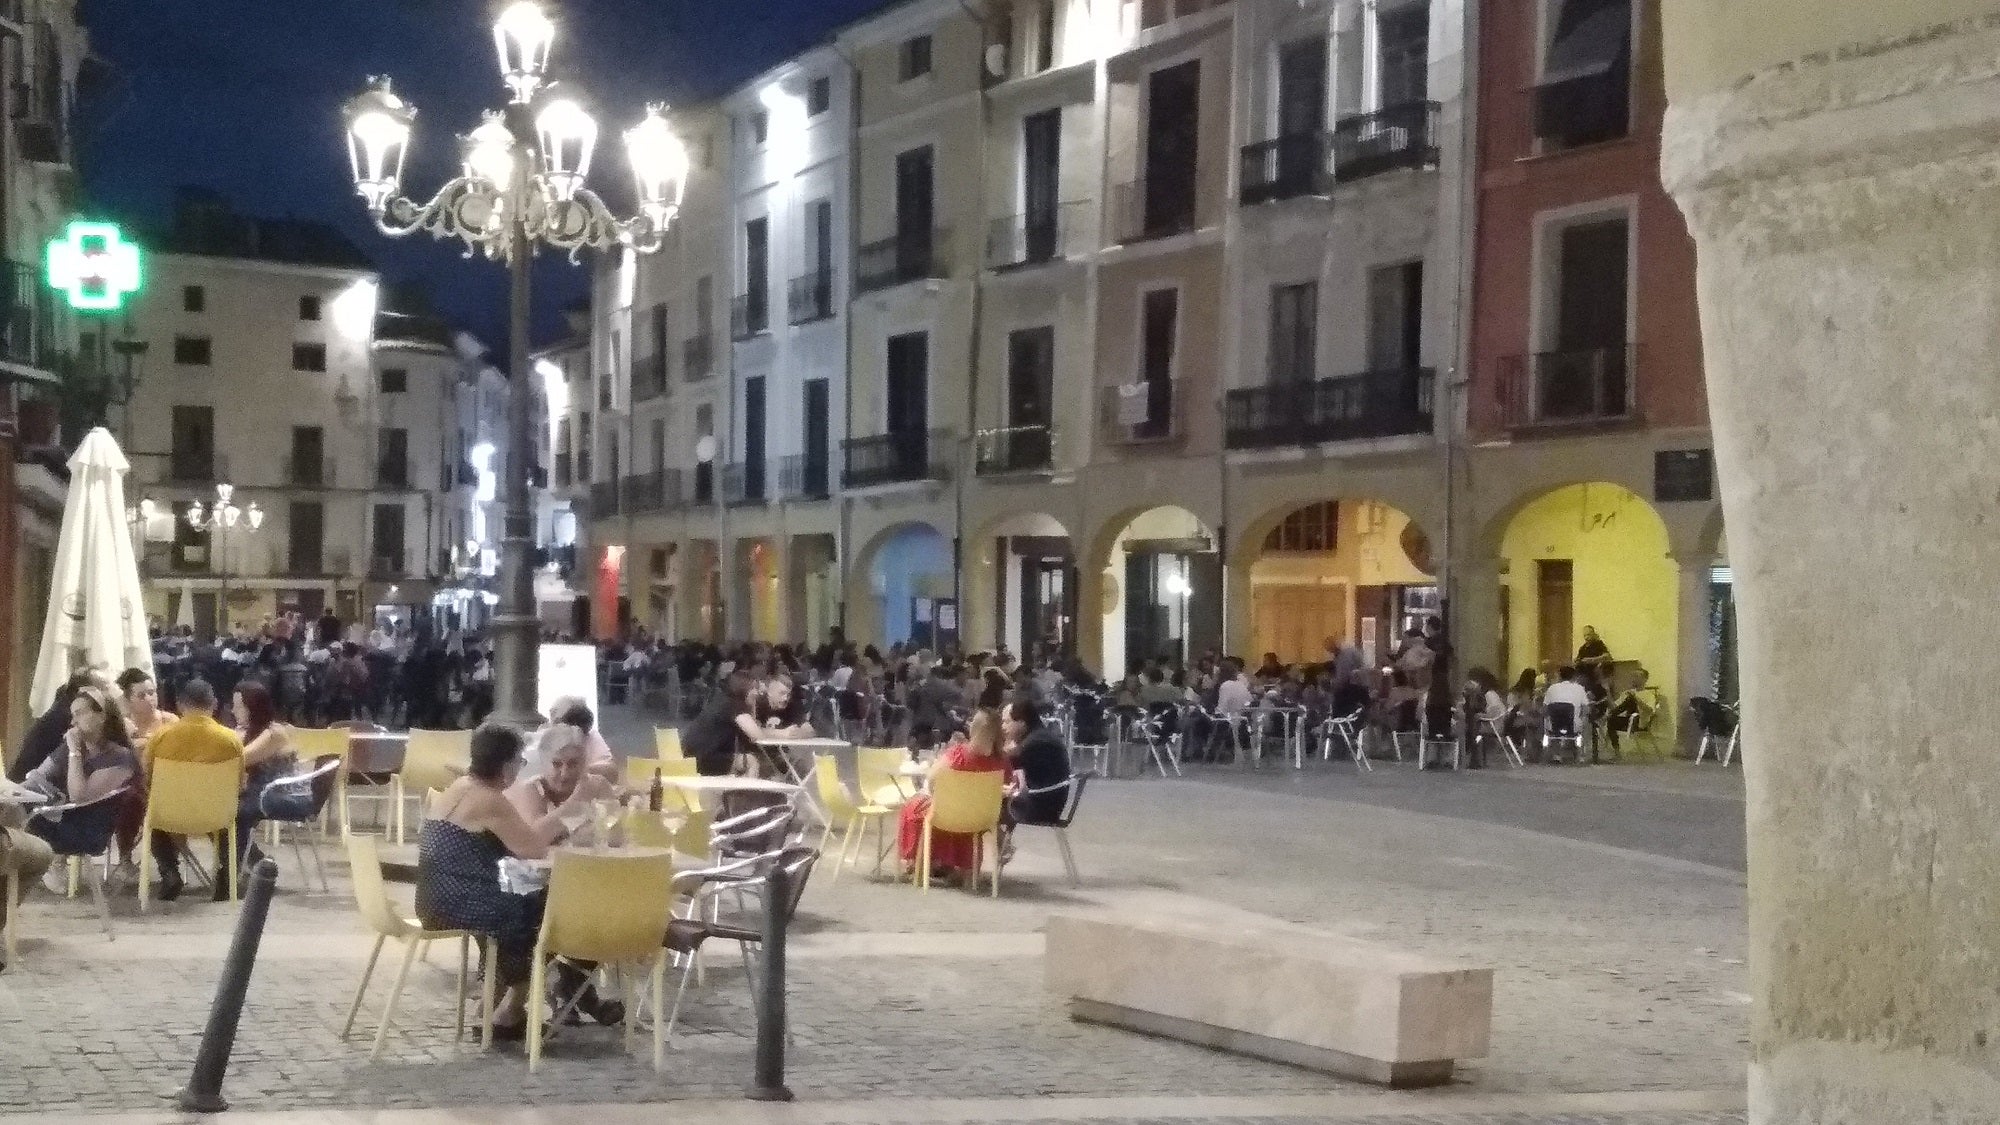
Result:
pixel 768 1084
pixel 203 1093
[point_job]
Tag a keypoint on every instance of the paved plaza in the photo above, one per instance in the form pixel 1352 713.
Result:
pixel 1609 900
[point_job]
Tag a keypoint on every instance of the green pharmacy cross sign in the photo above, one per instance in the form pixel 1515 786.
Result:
pixel 94 267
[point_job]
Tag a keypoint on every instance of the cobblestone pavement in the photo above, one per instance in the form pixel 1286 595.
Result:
pixel 1618 969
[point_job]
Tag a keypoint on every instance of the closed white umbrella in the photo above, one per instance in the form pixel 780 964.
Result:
pixel 96 615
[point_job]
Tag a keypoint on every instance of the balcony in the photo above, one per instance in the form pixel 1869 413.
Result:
pixel 645 493
pixel 809 297
pixel 1577 388
pixel 603 499
pixel 909 256
pixel 649 377
pixel 1284 168
pixel 33 320
pixel 1142 210
pixel 308 472
pixel 898 458
pixel 743 483
pixel 1014 449
pixel 1399 136
pixel 697 357
pixel 1139 413
pixel 1144 15
pixel 803 478
pixel 1288 414
pixel 390 563
pixel 1030 240
pixel 704 483
pixel 196 466
pixel 749 316
pixel 392 472
pixel 563 474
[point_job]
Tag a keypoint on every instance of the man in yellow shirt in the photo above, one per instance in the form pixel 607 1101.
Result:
pixel 194 737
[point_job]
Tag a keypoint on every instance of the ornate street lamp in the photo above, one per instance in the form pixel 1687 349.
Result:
pixel 220 520
pixel 521 185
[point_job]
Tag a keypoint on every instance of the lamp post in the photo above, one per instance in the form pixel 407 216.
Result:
pixel 522 185
pixel 219 520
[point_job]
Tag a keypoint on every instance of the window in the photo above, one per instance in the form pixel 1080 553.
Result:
pixel 308 465
pixel 309 357
pixel 1402 53
pixel 308 308
pixel 392 457
pixel 393 380
pixel 1395 316
pixel 192 351
pixel 1294 331
pixel 193 298
pixel 1315 527
pixel 1584 93
pixel 388 555
pixel 913 60
pixel 819 96
pixel 1583 369
pixel 305 537
pixel 1044 55
pixel 760 127
pixel 192 452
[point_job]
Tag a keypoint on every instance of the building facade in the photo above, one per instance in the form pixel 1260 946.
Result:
pixel 1179 325
pixel 263 375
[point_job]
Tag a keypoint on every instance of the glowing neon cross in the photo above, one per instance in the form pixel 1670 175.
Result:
pixel 93 266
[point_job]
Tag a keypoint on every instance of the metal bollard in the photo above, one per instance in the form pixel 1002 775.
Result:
pixel 203 1093
pixel 768 1084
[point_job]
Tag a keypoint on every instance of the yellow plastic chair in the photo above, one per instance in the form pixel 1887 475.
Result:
pixel 875 770
pixel 612 908
pixel 667 743
pixel 966 802
pixel 843 812
pixel 190 799
pixel 311 745
pixel 432 760
pixel 371 896
pixel 676 767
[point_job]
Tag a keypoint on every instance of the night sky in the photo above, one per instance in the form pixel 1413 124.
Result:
pixel 244 96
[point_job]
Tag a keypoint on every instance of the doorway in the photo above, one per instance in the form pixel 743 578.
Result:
pixel 1555 589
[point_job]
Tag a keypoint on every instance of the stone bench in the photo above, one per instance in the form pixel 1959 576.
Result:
pixel 1276 991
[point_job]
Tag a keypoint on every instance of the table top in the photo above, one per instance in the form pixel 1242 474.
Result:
pixel 805 743
pixel 729 784
pixel 13 794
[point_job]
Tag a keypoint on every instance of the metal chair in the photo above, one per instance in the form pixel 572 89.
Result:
pixel 85 833
pixel 320 784
pixel 1061 821
pixel 1719 725
pixel 1497 728
pixel 1560 728
pixel 1159 725
pixel 687 934
pixel 1433 734
pixel 1351 731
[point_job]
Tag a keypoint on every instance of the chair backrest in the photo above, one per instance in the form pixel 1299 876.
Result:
pixel 609 907
pixel 311 744
pixel 1559 719
pixel 667 743
pixel 1076 783
pixel 88 828
pixel 193 798
pixel 435 758
pixel 875 768
pixel 371 892
pixel 966 801
pixel 693 837
pixel 833 793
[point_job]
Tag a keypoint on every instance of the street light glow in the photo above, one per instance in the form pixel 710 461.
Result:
pixel 568 136
pixel 523 36
pixel 489 154
pixel 378 138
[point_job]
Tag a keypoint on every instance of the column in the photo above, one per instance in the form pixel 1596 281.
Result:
pixel 1843 207
pixel 1475 617
pixel 1697 666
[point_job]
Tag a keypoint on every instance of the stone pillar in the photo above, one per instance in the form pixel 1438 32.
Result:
pixel 1475 617
pixel 1697 670
pixel 1846 211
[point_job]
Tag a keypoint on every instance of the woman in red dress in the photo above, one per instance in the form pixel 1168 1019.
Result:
pixel 952 851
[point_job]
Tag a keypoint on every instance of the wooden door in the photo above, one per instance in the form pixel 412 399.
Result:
pixel 1295 621
pixel 1555 586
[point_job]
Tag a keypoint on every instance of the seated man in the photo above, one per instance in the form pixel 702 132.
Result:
pixel 194 737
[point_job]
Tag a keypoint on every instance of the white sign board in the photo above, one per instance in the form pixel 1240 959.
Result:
pixel 567 670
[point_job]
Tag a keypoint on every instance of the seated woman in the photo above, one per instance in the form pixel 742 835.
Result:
pixel 471 827
pixel 1633 710
pixel 96 759
pixel 1043 762
pixel 570 710
pixel 267 756
pixel 951 852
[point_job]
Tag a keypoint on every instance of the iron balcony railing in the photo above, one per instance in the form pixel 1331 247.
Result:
pixel 309 472
pixel 1014 449
pixel 33 320
pixel 1147 411
pixel 1284 168
pixel 649 377
pixel 895 458
pixel 196 466
pixel 749 315
pixel 1397 136
pixel 1373 404
pixel 743 482
pixel 906 256
pixel 1030 239
pixel 803 478
pixel 392 562
pixel 563 475
pixel 645 492
pixel 603 498
pixel 809 297
pixel 697 357
pixel 393 472
pixel 1579 387
pixel 1146 209
pixel 1143 15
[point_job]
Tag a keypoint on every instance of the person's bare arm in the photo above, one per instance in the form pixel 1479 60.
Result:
pixel 273 742
pixel 520 838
